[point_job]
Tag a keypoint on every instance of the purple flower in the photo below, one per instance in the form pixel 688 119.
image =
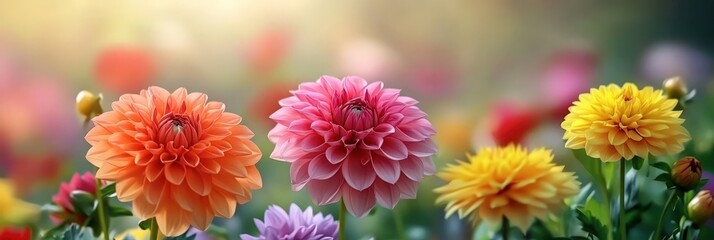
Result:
pixel 296 225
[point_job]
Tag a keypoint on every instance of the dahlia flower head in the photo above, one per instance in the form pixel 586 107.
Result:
pixel 176 157
pixel 509 182
pixel 350 140
pixel 613 123
pixel 298 224
pixel 63 198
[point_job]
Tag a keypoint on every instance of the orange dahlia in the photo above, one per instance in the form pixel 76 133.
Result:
pixel 613 123
pixel 506 182
pixel 176 157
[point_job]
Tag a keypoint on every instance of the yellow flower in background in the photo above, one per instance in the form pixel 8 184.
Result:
pixel 14 211
pixel 613 122
pixel 136 234
pixel 506 182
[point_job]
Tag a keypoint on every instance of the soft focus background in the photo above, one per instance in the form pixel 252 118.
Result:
pixel 486 72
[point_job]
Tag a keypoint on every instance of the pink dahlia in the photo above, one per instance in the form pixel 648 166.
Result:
pixel 350 140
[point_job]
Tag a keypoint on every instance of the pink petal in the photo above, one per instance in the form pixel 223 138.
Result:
pixel 372 142
pixel 386 169
pixel 387 195
pixel 407 187
pixel 424 148
pixel 359 203
pixel 326 191
pixel 320 168
pixel 358 176
pixel 299 173
pixel 312 142
pixel 429 168
pixel 412 167
pixel 336 154
pixel 394 149
pixel 321 127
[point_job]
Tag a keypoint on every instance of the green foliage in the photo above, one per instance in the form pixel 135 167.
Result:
pixel 637 162
pixel 69 232
pixel 109 189
pixel 591 224
pixel 146 224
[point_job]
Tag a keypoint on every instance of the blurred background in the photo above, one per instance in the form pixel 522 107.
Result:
pixel 486 72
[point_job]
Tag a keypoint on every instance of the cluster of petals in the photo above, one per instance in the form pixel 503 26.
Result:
pixel 297 224
pixel 508 182
pixel 176 156
pixel 613 123
pixel 350 140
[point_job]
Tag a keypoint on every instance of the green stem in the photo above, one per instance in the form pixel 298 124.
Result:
pixel 504 228
pixel 399 224
pixel 606 195
pixel 658 231
pixel 102 214
pixel 623 228
pixel 343 227
pixel 154 234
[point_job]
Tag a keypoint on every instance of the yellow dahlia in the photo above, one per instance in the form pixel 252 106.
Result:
pixel 613 122
pixel 506 182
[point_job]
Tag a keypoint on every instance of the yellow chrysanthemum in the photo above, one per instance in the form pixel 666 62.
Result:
pixel 13 210
pixel 613 122
pixel 506 182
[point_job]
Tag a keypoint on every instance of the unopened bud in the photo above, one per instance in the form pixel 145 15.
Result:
pixel 701 208
pixel 675 88
pixel 686 173
pixel 89 105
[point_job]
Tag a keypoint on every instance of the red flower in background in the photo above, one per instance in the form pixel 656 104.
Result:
pixel 511 123
pixel 16 234
pixel 568 74
pixel 122 69
pixel 63 198
pixel 266 51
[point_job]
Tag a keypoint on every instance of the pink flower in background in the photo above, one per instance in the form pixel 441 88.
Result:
pixel 122 69
pixel 350 140
pixel 568 74
pixel 63 198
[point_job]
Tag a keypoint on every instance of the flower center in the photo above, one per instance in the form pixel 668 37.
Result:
pixel 357 115
pixel 177 129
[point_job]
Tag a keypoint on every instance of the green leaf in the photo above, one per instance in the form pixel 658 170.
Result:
pixel 83 202
pixel 146 224
pixel 118 211
pixel 664 177
pixel 74 232
pixel 57 232
pixel 662 166
pixel 593 166
pixel 637 162
pixel 110 189
pixel 591 224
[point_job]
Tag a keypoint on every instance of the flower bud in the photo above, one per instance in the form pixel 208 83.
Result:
pixel 63 199
pixel 701 208
pixel 686 173
pixel 675 88
pixel 88 104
